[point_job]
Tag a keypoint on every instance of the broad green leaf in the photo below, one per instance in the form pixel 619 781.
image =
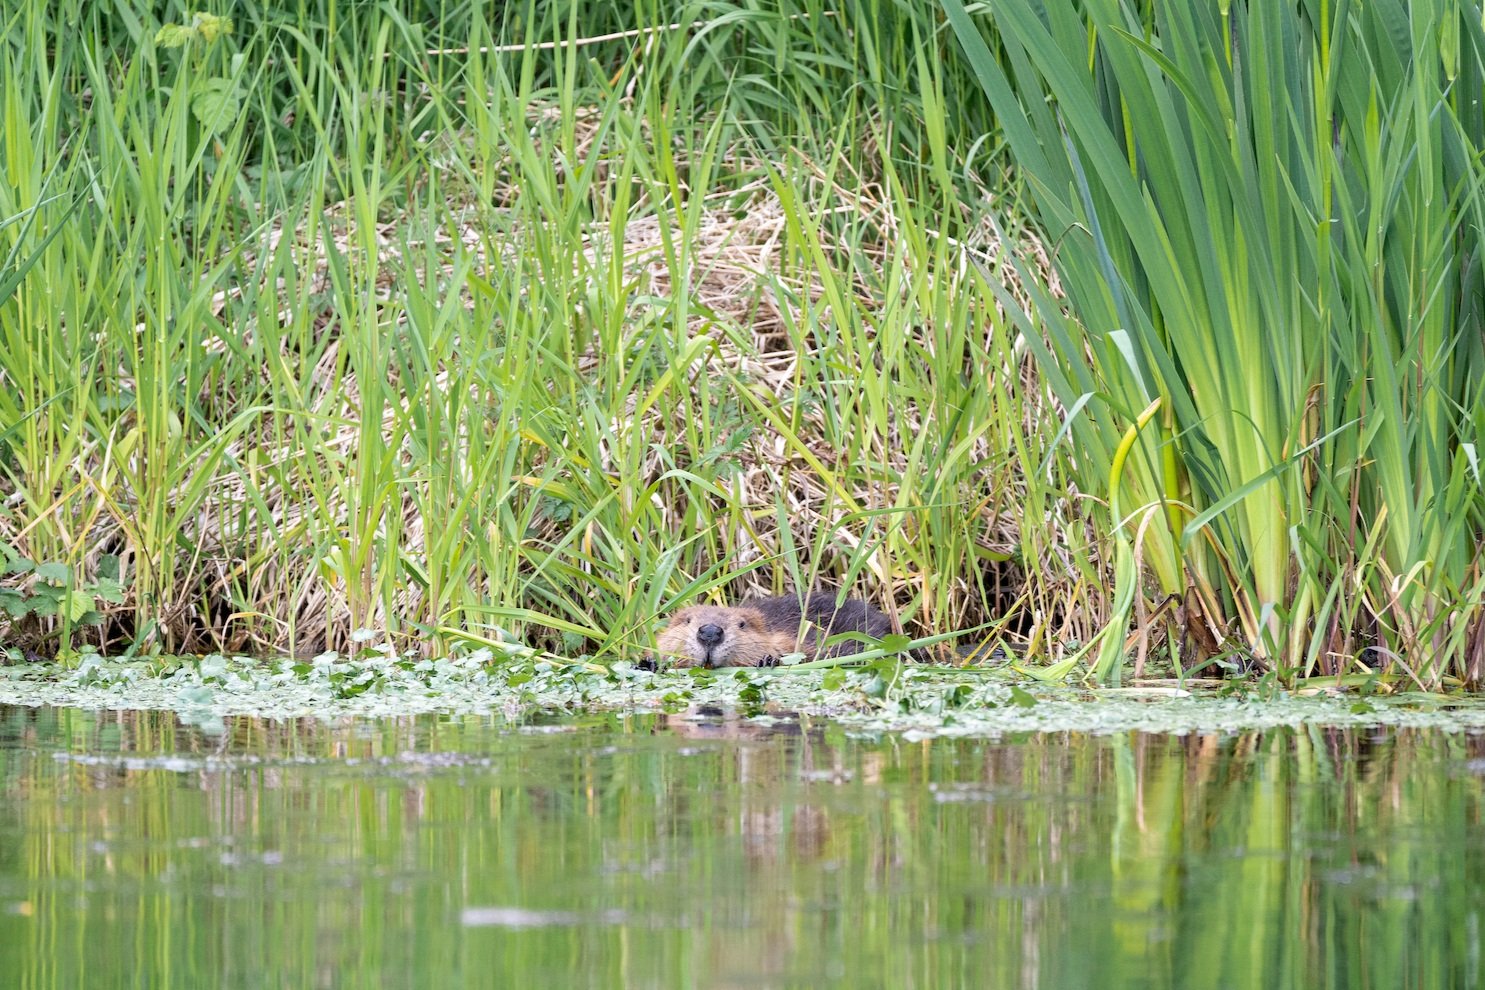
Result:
pixel 56 573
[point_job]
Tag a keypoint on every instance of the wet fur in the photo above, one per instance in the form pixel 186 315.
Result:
pixel 757 632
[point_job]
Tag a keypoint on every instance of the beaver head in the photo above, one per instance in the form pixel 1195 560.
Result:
pixel 717 636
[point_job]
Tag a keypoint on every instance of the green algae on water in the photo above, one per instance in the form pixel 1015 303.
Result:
pixel 918 702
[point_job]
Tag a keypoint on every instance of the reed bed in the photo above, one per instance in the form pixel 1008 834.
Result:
pixel 337 324
pixel 1269 229
pixel 345 323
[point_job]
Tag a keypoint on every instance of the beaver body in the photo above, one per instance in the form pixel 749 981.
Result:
pixel 757 632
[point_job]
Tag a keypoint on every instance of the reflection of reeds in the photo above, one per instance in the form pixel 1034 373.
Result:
pixel 1271 858
pixel 1268 227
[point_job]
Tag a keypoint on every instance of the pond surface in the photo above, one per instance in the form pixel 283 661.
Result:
pixel 665 851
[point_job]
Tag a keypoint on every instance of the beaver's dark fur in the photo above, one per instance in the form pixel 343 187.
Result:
pixel 755 633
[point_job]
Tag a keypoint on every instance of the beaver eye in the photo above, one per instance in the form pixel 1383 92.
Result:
pixel 742 623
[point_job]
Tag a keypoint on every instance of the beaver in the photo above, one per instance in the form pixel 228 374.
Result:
pixel 758 632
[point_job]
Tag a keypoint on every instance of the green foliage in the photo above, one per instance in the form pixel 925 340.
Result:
pixel 203 29
pixel 541 318
pixel 402 317
pixel 1268 225
pixel 31 590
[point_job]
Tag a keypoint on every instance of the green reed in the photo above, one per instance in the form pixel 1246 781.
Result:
pixel 426 320
pixel 1267 222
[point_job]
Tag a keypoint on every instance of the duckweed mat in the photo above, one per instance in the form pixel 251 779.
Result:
pixel 919 702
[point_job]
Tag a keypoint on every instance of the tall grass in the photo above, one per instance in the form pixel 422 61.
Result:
pixel 430 320
pixel 434 321
pixel 1268 223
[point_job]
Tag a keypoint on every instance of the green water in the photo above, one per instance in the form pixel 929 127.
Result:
pixel 647 851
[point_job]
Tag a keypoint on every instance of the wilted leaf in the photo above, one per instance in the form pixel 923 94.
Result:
pixel 173 36
pixel 207 27
pixel 211 26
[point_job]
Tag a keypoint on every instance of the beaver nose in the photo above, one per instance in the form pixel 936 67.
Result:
pixel 709 635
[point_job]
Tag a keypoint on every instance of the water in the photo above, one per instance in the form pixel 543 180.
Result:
pixel 648 851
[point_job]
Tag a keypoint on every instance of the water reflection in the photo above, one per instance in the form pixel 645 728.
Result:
pixel 710 851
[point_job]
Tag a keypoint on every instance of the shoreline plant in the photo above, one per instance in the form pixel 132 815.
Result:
pixel 526 322
pixel 1268 225
pixel 522 319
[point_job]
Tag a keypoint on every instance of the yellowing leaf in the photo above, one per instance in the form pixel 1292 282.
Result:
pixel 78 605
